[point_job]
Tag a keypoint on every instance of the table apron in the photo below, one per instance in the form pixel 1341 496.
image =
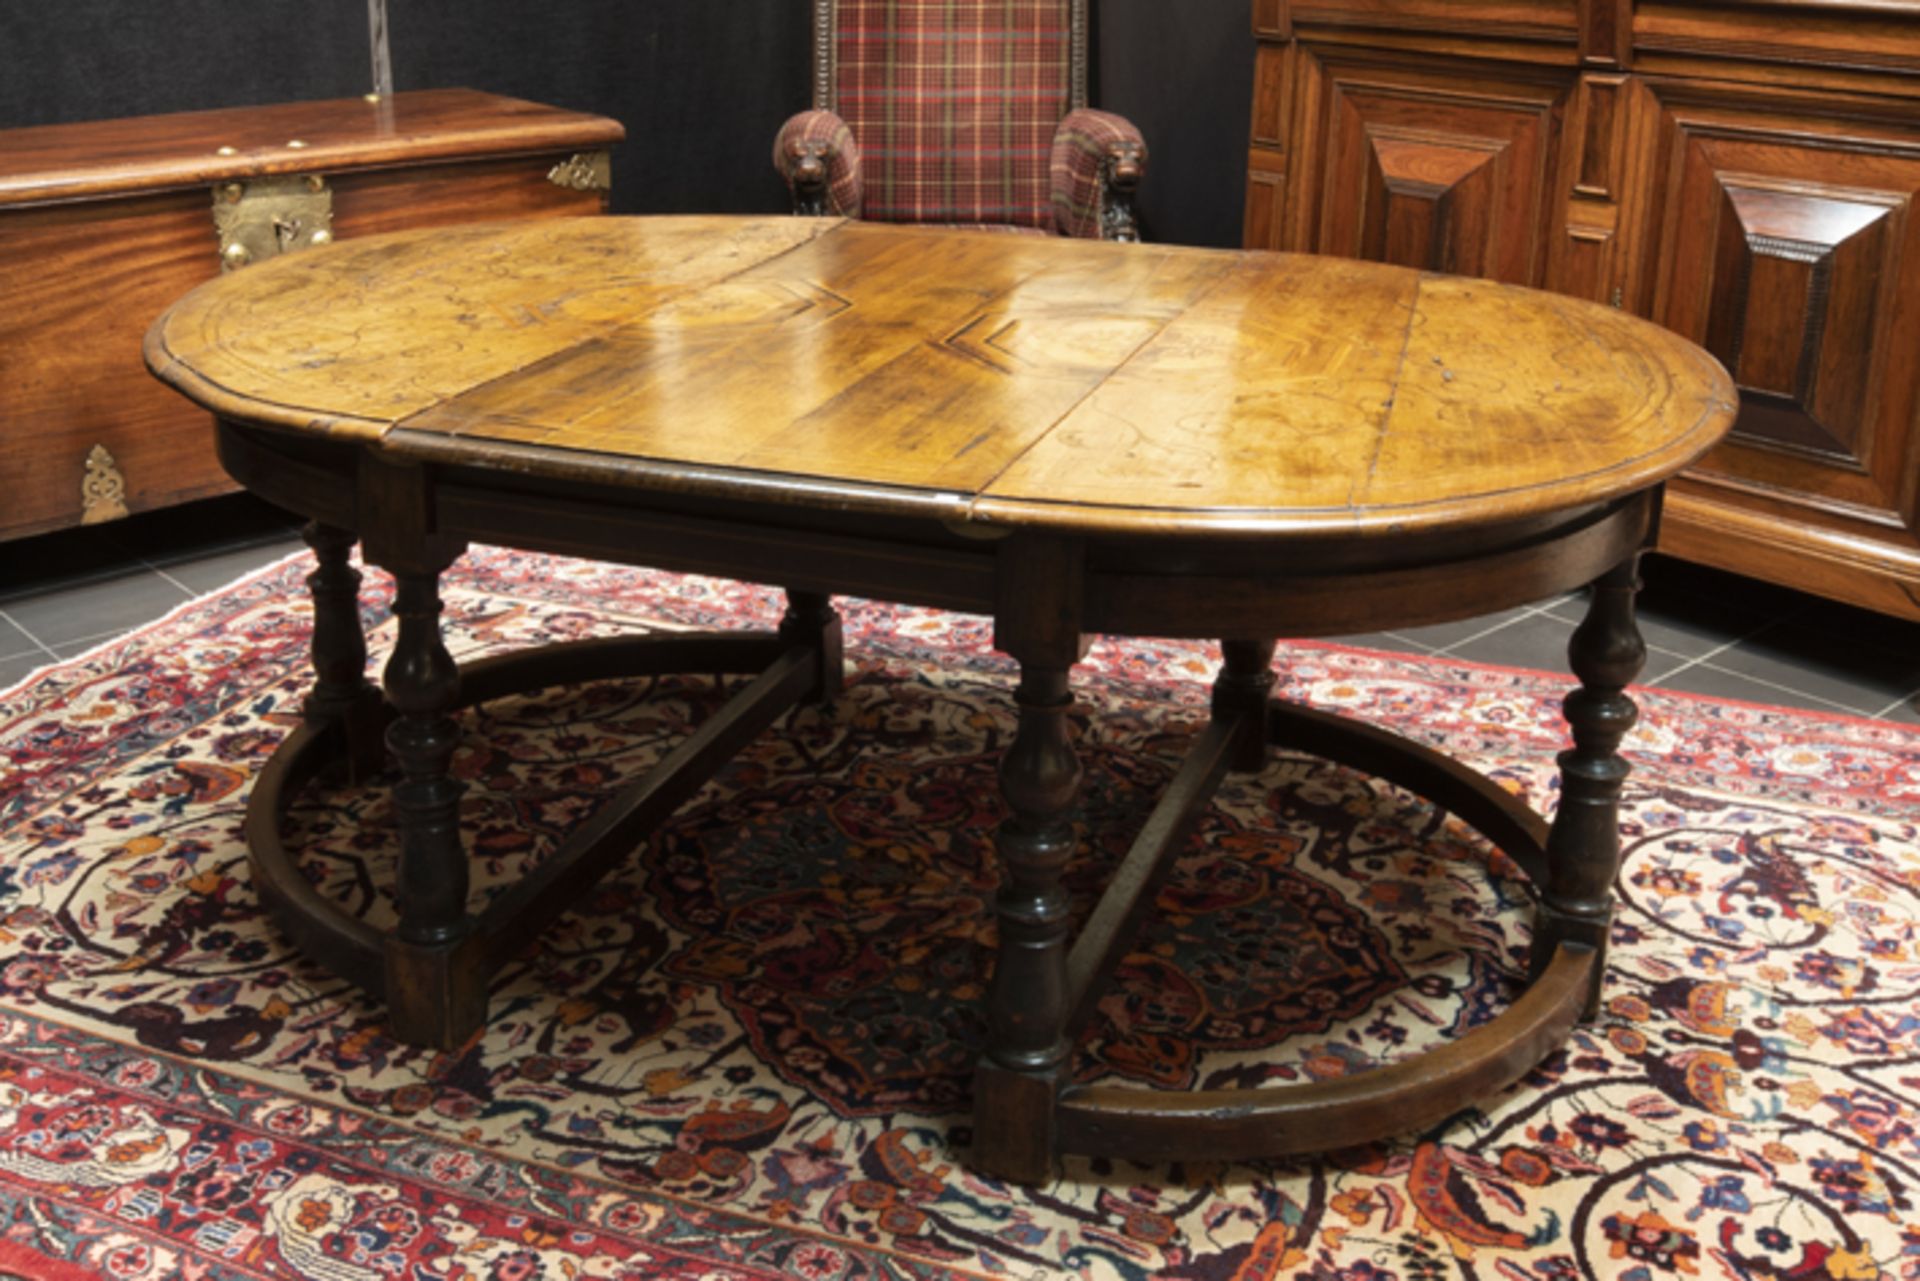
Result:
pixel 1351 601
pixel 1192 588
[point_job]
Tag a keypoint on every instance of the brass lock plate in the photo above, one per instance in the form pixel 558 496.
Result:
pixel 264 217
pixel 103 490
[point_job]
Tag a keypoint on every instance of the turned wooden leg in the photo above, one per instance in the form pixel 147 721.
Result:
pixel 1021 1072
pixel 1583 845
pixel 341 695
pixel 812 620
pixel 1244 685
pixel 434 994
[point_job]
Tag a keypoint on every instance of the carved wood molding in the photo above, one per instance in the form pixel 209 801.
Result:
pixel 1606 34
pixel 1746 173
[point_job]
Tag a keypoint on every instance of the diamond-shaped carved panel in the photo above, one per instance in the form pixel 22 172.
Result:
pixel 1796 300
pixel 1428 170
pixel 1782 239
pixel 1431 204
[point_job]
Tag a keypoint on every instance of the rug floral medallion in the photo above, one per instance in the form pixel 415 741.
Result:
pixel 747 1052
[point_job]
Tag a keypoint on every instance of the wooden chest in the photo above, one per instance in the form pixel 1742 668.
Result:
pixel 1744 172
pixel 102 225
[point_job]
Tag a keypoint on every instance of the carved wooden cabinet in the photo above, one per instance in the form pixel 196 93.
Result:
pixel 103 224
pixel 1743 173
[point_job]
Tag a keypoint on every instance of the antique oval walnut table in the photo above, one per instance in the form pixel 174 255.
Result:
pixel 1073 437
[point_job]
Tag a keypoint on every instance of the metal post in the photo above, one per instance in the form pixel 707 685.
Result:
pixel 382 54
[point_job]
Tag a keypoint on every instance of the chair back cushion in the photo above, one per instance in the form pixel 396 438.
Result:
pixel 953 104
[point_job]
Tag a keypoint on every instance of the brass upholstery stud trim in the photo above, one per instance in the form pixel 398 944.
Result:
pixel 825 55
pixel 1077 55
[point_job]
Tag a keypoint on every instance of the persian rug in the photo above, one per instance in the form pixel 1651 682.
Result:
pixel 746 1054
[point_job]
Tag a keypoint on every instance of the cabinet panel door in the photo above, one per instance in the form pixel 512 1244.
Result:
pixel 1425 164
pixel 1788 248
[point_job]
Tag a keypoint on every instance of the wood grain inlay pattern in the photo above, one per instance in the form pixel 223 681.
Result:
pixel 1049 383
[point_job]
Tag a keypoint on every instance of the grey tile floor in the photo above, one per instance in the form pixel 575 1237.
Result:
pixel 1707 632
pixel 61 594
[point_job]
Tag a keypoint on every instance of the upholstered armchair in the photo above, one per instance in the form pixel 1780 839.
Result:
pixel 969 112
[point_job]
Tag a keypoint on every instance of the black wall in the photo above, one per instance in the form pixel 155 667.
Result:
pixel 702 85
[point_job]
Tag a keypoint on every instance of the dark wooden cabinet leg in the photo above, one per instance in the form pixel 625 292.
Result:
pixel 342 695
pixel 812 620
pixel 434 994
pixel 1244 685
pixel 1021 1073
pixel 1583 845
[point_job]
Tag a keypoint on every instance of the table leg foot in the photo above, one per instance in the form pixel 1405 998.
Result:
pixel 1583 845
pixel 1014 1130
pixel 342 697
pixel 436 996
pixel 1244 686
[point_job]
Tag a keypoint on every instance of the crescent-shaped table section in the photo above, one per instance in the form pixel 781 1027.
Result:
pixel 1072 437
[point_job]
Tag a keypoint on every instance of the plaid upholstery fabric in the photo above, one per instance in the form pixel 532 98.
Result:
pixel 1002 228
pixel 1081 146
pixel 955 103
pixel 823 134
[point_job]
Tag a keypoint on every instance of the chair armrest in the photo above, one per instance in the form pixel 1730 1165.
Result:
pixel 816 154
pixel 1098 161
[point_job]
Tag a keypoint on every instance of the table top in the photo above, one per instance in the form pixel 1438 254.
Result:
pixel 1003 379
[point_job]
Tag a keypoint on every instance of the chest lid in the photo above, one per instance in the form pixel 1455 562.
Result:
pixel 51 164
